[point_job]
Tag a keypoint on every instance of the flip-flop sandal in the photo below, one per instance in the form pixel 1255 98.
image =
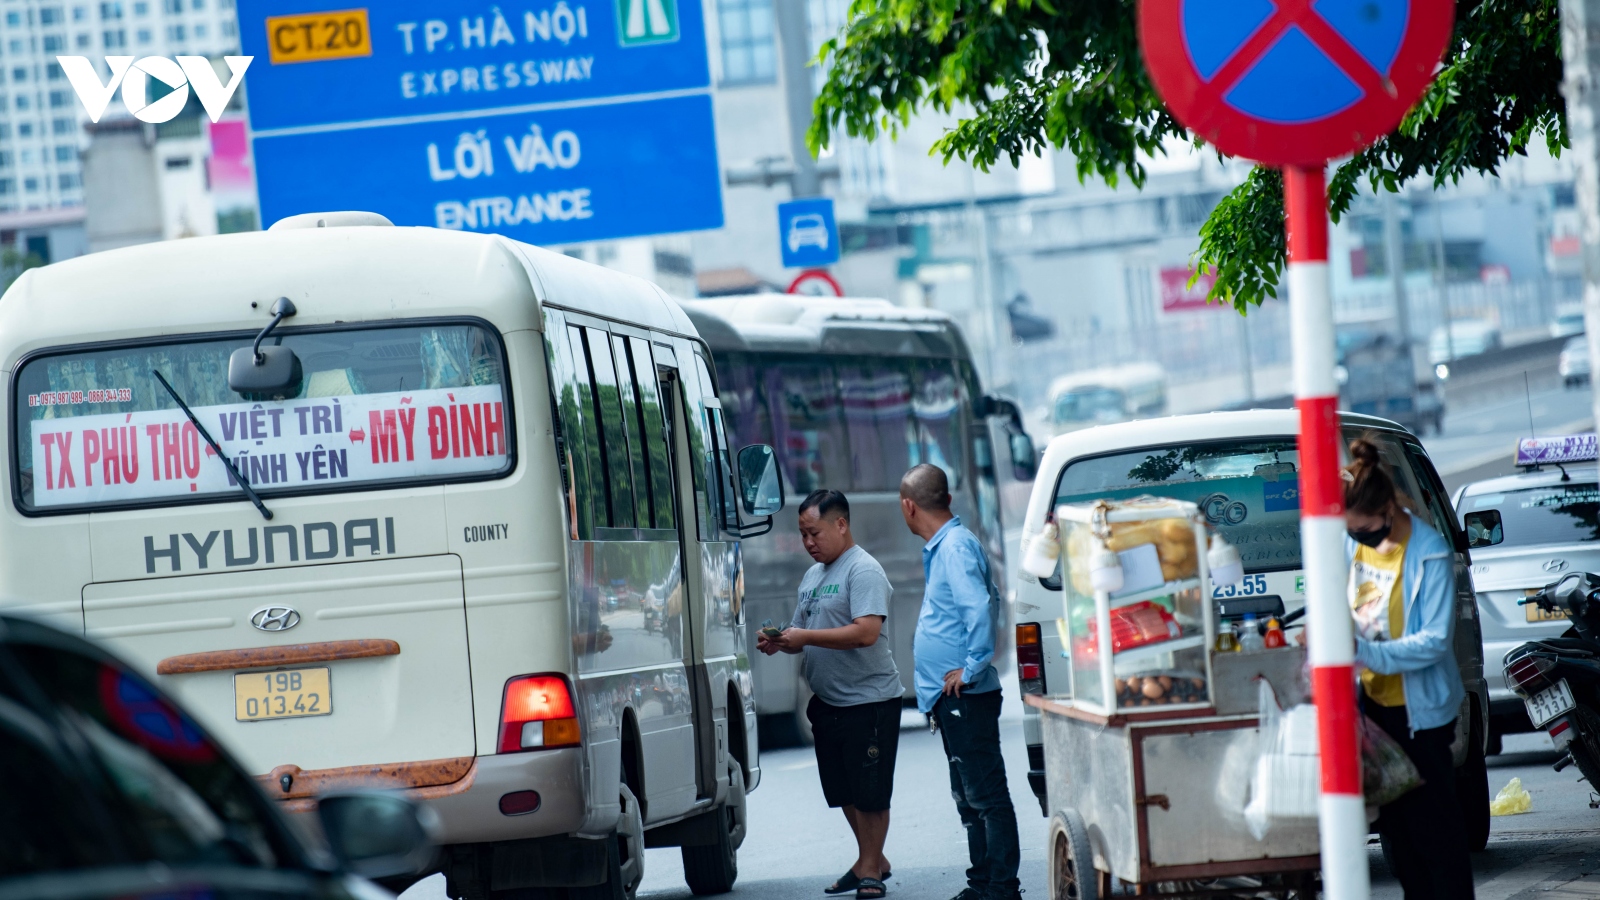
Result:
pixel 871 889
pixel 845 883
pixel 849 882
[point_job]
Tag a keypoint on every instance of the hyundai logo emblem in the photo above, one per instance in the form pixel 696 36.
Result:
pixel 275 618
pixel 1554 565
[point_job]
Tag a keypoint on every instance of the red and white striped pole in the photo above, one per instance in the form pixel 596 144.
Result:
pixel 1341 812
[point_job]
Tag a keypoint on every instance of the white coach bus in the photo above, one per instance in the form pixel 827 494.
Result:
pixel 852 393
pixel 405 508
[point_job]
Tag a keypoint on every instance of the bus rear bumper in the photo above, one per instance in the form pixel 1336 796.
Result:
pixel 472 814
pixel 464 792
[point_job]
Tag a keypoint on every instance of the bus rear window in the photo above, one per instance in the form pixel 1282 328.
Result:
pixel 94 429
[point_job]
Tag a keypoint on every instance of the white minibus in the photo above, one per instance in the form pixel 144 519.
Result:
pixel 404 508
pixel 1106 395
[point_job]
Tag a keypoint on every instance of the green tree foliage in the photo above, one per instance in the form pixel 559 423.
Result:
pixel 1023 75
pixel 14 262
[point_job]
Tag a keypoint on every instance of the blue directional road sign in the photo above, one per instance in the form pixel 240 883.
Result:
pixel 550 121
pixel 808 233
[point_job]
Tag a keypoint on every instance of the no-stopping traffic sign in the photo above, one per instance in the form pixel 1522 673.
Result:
pixel 1292 82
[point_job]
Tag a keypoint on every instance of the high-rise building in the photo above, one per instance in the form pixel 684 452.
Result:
pixel 41 121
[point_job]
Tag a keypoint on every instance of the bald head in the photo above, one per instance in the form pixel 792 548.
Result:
pixel 927 486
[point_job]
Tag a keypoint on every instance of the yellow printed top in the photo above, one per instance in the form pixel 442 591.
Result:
pixel 1379 608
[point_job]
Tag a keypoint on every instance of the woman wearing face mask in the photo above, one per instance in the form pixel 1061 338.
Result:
pixel 1402 595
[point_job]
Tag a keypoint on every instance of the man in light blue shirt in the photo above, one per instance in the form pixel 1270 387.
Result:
pixel 957 685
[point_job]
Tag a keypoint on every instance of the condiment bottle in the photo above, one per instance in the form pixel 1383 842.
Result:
pixel 1249 638
pixel 1274 637
pixel 1226 642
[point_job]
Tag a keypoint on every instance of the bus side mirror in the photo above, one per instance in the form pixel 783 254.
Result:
pixel 257 370
pixel 760 488
pixel 1024 462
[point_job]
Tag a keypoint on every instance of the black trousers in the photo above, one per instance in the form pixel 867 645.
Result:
pixel 970 725
pixel 1427 842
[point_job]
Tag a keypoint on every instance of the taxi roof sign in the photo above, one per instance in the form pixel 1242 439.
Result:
pixel 1560 448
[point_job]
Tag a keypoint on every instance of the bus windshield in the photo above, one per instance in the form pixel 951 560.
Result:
pixel 1248 490
pixel 376 405
pixel 854 423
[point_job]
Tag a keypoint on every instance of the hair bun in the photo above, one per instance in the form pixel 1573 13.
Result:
pixel 1364 451
pixel 1368 488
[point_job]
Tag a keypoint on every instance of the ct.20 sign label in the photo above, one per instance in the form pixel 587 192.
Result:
pixel 1292 82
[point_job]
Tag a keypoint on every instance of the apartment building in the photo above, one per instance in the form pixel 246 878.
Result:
pixel 42 132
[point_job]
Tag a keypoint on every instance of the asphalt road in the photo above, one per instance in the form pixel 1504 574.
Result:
pixel 796 845
pixel 1484 417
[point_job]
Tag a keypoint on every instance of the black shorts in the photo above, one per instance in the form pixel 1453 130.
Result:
pixel 855 751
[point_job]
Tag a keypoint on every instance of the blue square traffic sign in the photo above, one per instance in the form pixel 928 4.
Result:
pixel 807 231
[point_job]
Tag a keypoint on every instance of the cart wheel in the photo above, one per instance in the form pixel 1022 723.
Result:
pixel 1072 873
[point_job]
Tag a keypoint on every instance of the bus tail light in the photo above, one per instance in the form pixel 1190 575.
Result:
pixel 537 714
pixel 1030 658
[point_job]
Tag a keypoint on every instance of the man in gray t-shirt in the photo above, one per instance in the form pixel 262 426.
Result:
pixel 855 715
pixel 833 595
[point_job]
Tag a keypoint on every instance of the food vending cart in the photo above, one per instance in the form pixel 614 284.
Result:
pixel 1149 755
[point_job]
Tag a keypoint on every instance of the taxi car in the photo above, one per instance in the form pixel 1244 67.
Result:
pixel 1525 531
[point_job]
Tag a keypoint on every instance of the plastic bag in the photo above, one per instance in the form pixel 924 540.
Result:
pixel 1284 780
pixel 1512 799
pixel 1387 773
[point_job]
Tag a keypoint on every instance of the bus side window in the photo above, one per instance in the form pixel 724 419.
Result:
pixel 613 439
pixel 652 414
pixel 720 470
pixel 697 387
pixel 631 423
pixel 579 428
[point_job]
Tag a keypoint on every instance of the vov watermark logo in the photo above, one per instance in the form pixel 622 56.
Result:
pixel 133 78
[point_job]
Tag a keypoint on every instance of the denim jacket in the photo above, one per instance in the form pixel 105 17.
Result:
pixel 1424 654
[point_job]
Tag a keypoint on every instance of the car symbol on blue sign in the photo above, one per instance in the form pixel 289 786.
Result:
pixel 808 233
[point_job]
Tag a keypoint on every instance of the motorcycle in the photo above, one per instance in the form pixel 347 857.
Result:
pixel 1559 678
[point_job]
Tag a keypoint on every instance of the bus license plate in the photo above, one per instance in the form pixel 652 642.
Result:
pixel 284 694
pixel 1549 703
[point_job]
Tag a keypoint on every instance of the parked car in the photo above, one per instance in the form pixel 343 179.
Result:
pixel 1525 531
pixel 1466 337
pixel 114 790
pixel 1568 321
pixel 1574 363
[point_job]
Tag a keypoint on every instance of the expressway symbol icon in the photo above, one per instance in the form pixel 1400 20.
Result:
pixel 1292 82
